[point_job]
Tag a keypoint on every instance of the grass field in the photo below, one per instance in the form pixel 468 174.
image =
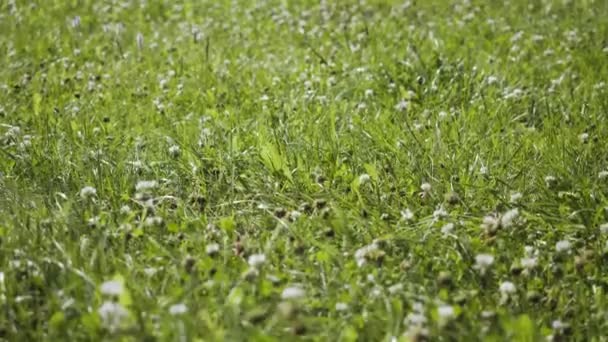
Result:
pixel 303 170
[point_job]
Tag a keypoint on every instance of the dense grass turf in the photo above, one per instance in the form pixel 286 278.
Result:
pixel 317 170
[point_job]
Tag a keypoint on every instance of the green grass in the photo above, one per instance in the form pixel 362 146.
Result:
pixel 414 170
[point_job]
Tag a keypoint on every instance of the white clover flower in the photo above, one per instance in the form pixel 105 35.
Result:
pixel 174 151
pixel 483 262
pixel 490 223
pixel 369 93
pixel 256 260
pixel 506 220
pixel 125 210
pixel 395 289
pixel 558 325
pixel 415 319
pixel 152 221
pixel 602 174
pixel 178 309
pixel 407 214
pixel 212 248
pixel 145 185
pixel 364 178
pixel 341 306
pixel 112 288
pixel 362 253
pixel 515 197
pixel 483 170
pixel 584 137
pixel 604 228
pixel 293 293
pixel 447 228
pixel 425 187
pixel 507 288
pixel 88 192
pixel 402 105
pixel 112 315
pixel 446 312
pixel 563 246
pixel 529 263
pixel 440 213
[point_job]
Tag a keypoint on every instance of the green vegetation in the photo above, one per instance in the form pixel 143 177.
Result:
pixel 303 170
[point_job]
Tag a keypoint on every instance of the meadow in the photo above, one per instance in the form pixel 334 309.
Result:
pixel 353 170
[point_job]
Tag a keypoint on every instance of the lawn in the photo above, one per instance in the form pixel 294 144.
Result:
pixel 214 170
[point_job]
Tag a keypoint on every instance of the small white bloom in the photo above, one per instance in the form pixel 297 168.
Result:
pixel 447 228
pixel 604 228
pixel 112 315
pixel 407 214
pixel 529 263
pixel 515 197
pixel 174 151
pixel 426 187
pixel 558 325
pixel 178 309
pixel 212 248
pixel 152 221
pixel 562 246
pixel 507 288
pixel 362 253
pixel 88 192
pixel 602 174
pixel 483 170
pixel 415 319
pixel 402 105
pixel 440 213
pixel 364 178
pixel 256 260
pixel 341 306
pixel 584 137
pixel 507 218
pixel 125 210
pixel 395 289
pixel 369 93
pixel 292 293
pixel 483 262
pixel 445 312
pixel 490 223
pixel 112 288
pixel 146 185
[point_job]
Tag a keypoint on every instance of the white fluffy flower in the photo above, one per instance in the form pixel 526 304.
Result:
pixel 146 185
pixel 341 306
pixel 174 151
pixel 88 192
pixel 604 228
pixel 515 197
pixel 112 288
pixel 447 228
pixel 563 246
pixel 445 312
pixel 395 289
pixel 426 187
pixel 212 248
pixel 529 263
pixel 178 309
pixel 112 315
pixel 483 262
pixel 292 293
pixel 407 214
pixel 364 178
pixel 507 219
pixel 256 260
pixel 507 288
pixel 602 175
